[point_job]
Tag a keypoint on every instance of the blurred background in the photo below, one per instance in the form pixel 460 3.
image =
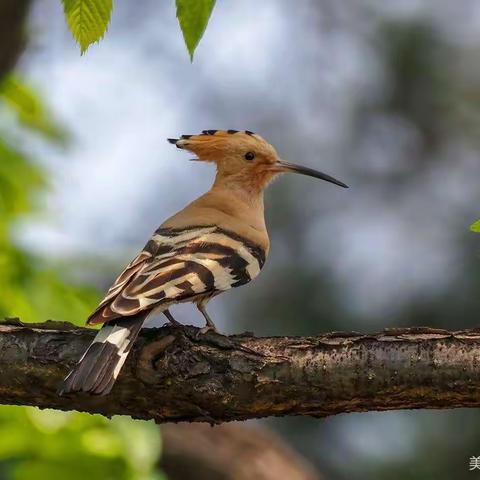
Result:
pixel 383 95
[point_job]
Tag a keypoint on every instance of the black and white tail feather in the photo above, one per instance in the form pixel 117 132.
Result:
pixel 98 369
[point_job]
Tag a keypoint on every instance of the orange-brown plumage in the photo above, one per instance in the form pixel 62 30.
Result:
pixel 217 242
pixel 227 151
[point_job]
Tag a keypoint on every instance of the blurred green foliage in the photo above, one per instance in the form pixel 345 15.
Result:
pixel 45 444
pixel 23 102
pixel 475 227
pixel 31 289
pixel 36 444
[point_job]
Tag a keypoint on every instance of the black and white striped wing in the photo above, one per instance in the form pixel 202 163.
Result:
pixel 179 266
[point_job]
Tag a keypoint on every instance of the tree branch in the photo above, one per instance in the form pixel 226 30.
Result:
pixel 173 375
pixel 13 15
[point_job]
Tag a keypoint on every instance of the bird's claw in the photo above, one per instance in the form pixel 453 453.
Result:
pixel 206 329
pixel 173 325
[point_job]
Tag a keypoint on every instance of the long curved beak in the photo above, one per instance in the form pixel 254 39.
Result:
pixel 310 172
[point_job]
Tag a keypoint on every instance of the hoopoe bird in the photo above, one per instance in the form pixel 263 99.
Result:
pixel 217 242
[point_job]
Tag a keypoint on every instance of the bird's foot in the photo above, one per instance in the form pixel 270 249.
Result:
pixel 173 325
pixel 206 329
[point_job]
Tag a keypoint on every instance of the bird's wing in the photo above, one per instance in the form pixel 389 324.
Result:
pixel 179 265
pixel 121 281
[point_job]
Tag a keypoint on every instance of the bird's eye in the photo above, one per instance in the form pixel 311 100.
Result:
pixel 249 156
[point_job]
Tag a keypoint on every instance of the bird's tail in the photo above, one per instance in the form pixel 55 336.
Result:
pixel 98 369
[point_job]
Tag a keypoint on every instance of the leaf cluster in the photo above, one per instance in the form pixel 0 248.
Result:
pixel 88 20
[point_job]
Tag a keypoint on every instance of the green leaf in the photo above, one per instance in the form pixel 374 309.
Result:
pixel 87 19
pixel 475 227
pixel 29 109
pixel 193 16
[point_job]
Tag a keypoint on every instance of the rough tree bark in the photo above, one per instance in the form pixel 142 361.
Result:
pixel 175 375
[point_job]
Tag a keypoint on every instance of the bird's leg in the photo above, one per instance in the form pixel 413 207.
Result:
pixel 210 326
pixel 172 320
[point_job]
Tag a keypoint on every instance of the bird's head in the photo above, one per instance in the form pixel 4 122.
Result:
pixel 242 157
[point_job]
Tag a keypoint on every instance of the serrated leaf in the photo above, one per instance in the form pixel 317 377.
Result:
pixel 87 19
pixel 475 227
pixel 193 16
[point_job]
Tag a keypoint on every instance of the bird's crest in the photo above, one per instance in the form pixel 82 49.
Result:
pixel 211 137
pixel 222 146
pixel 223 142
